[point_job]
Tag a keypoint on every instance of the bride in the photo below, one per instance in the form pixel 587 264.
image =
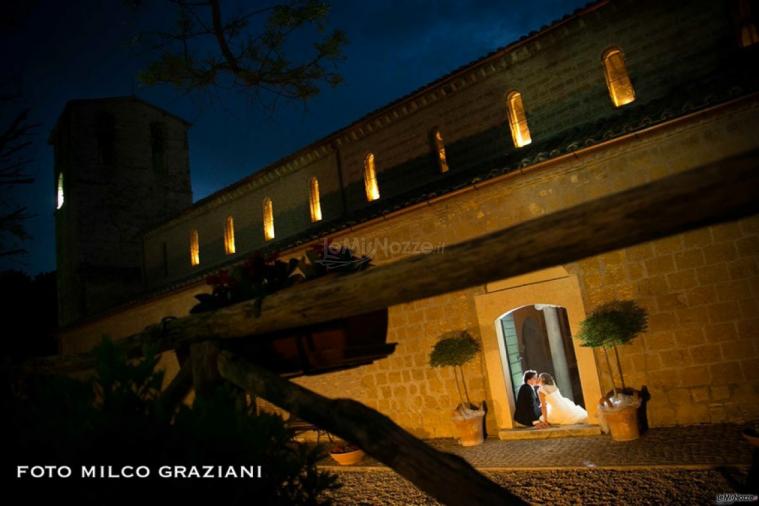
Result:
pixel 557 409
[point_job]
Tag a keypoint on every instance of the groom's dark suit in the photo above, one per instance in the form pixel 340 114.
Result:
pixel 528 405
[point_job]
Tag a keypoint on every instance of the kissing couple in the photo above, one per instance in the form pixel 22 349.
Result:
pixel 540 403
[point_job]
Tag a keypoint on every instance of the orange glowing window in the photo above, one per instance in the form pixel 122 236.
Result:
pixel 747 12
pixel 315 204
pixel 229 236
pixel 442 162
pixel 617 80
pixel 520 132
pixel 268 219
pixel 194 248
pixel 370 178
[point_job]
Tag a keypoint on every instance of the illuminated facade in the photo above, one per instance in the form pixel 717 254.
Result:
pixel 618 94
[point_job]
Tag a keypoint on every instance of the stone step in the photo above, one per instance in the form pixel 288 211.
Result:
pixel 552 432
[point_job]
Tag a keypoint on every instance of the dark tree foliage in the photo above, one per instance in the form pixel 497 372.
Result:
pixel 15 140
pixel 249 51
pixel 614 323
pixel 454 349
pixel 118 419
pixel 29 314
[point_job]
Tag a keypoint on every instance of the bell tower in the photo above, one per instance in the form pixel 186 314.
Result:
pixel 121 166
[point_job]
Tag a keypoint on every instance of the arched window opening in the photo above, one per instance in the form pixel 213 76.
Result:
pixel 268 219
pixel 617 80
pixel 370 178
pixel 105 136
pixel 60 190
pixel 747 18
pixel 520 132
pixel 229 236
pixel 194 248
pixel 314 201
pixel 158 147
pixel 439 146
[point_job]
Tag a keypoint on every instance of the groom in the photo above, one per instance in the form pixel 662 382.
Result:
pixel 528 405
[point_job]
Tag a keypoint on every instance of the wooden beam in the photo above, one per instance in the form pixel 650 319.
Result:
pixel 446 477
pixel 178 388
pixel 714 193
pixel 205 374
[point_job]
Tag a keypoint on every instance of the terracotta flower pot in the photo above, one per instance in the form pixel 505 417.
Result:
pixel 348 458
pixel 623 423
pixel 469 429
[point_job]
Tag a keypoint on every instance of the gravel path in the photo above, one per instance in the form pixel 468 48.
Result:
pixel 670 487
pixel 711 445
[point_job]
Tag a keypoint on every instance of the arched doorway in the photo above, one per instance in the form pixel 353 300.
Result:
pixel 538 337
pixel 553 287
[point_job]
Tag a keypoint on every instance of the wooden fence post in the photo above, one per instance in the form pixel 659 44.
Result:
pixel 447 477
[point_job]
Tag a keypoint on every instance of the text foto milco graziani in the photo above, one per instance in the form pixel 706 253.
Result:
pixel 119 472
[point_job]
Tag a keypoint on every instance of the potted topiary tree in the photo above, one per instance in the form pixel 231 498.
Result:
pixel 454 349
pixel 608 326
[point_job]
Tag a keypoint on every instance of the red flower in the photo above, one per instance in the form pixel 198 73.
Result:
pixel 221 278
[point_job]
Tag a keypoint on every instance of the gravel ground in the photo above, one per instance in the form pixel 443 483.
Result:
pixel 660 487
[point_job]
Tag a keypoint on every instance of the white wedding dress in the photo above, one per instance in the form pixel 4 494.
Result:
pixel 559 409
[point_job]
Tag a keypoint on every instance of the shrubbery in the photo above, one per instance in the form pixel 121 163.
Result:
pixel 117 419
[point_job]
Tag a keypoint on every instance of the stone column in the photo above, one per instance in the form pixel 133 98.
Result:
pixel 558 356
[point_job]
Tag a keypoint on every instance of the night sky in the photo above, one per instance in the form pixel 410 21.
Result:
pixel 69 50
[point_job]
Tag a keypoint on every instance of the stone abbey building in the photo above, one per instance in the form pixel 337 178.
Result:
pixel 615 95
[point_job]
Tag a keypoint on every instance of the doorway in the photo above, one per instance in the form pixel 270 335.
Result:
pixel 538 337
pixel 553 287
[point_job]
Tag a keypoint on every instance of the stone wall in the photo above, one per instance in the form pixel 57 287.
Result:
pixel 700 357
pixel 560 75
pixel 290 196
pixel 700 354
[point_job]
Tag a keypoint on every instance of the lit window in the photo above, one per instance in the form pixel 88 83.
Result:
pixel 620 88
pixel 520 132
pixel 194 248
pixel 229 236
pixel 316 207
pixel 437 139
pixel 747 13
pixel 370 178
pixel 268 219
pixel 60 190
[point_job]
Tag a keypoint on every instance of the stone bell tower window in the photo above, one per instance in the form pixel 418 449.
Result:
pixel 60 190
pixel 158 147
